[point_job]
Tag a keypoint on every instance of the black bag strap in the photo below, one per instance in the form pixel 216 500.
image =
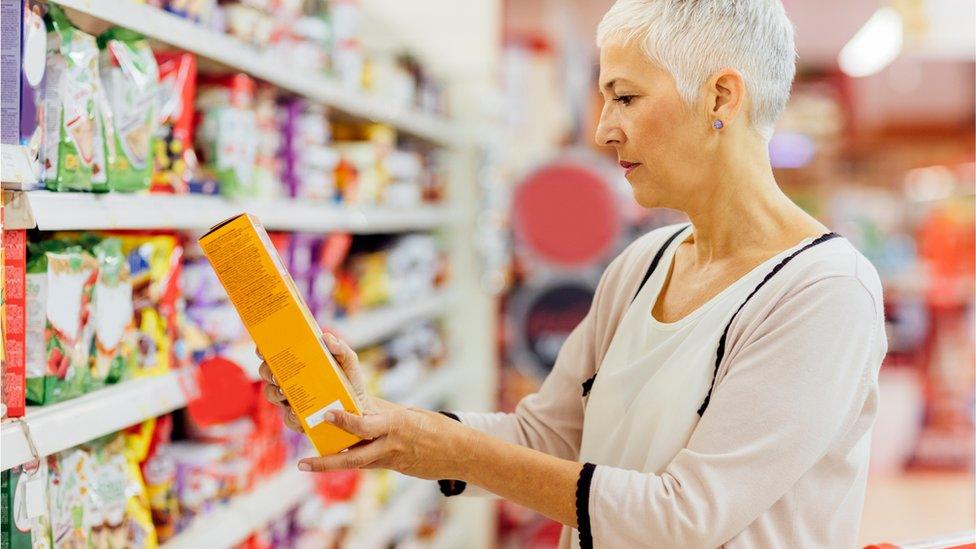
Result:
pixel 657 259
pixel 720 353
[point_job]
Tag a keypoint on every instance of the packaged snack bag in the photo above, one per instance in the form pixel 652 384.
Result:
pixel 112 303
pixel 119 515
pixel 154 264
pixel 148 444
pixel 73 156
pixel 60 283
pixel 26 524
pixel 173 154
pixel 130 79
pixel 227 136
pixel 69 482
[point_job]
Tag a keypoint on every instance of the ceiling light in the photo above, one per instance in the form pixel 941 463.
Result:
pixel 874 46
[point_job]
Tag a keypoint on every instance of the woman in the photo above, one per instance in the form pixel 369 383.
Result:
pixel 722 388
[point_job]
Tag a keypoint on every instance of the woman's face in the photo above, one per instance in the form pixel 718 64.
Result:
pixel 660 141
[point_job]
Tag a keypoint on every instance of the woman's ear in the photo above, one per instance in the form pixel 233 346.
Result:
pixel 725 94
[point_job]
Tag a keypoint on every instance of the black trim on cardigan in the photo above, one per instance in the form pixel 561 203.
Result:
pixel 720 353
pixel 450 487
pixel 583 505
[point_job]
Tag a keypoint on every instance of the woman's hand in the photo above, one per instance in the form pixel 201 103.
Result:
pixel 349 362
pixel 415 442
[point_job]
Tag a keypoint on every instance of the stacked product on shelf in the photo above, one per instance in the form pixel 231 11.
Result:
pixel 99 309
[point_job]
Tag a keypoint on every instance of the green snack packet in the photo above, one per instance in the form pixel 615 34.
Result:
pixel 130 79
pixel 26 520
pixel 112 311
pixel 73 155
pixel 60 282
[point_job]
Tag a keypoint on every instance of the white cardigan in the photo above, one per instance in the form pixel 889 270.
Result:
pixel 780 456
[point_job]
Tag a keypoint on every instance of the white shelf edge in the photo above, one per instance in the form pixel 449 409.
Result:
pixel 434 386
pixel 237 54
pixel 371 327
pixel 68 424
pixel 53 211
pixel 246 513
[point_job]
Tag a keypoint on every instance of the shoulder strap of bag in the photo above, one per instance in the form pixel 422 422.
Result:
pixel 720 353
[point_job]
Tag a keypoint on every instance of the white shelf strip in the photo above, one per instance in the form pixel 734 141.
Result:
pixel 273 68
pixel 435 386
pixel 53 211
pixel 246 513
pixel 68 424
pixel 370 327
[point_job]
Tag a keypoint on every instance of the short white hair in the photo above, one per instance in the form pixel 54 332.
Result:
pixel 693 39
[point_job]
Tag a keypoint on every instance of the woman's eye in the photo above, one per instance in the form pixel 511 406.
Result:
pixel 624 99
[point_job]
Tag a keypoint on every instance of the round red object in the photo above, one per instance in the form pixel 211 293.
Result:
pixel 567 214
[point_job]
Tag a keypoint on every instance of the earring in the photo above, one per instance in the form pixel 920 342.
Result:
pixel 718 125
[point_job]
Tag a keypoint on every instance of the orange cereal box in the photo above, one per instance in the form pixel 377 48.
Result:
pixel 265 296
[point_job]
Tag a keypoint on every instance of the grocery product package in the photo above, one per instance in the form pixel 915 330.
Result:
pixel 173 156
pixel 227 136
pixel 70 474
pixel 119 511
pixel 154 263
pixel 130 81
pixel 281 325
pixel 24 498
pixel 73 155
pixel 61 279
pixel 148 445
pixel 113 345
pixel 13 310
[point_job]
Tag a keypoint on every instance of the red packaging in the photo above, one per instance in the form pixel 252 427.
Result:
pixel 174 156
pixel 15 273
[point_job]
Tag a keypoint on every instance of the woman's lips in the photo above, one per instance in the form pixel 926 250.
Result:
pixel 629 166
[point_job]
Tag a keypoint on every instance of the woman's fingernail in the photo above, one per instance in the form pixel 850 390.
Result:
pixel 280 392
pixel 302 466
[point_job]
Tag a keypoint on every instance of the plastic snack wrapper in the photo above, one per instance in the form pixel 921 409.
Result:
pixel 73 155
pixel 60 283
pixel 130 79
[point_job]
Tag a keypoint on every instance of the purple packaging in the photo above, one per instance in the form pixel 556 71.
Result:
pixel 301 251
pixel 10 63
pixel 30 68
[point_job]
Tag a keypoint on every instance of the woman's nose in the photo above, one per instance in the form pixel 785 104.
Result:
pixel 608 133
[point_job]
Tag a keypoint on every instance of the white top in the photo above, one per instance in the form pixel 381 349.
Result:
pixel 644 403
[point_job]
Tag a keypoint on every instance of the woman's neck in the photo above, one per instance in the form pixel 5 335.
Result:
pixel 746 213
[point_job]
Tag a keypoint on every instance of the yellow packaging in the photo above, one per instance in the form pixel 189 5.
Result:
pixel 279 322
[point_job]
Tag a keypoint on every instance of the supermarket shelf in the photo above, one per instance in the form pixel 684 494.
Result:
pixel 237 54
pixel 401 513
pixel 52 211
pixel 68 424
pixel 370 327
pixel 246 513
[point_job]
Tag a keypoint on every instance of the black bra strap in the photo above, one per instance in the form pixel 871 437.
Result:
pixel 656 260
pixel 720 353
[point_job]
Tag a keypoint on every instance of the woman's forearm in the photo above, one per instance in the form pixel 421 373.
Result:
pixel 533 479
